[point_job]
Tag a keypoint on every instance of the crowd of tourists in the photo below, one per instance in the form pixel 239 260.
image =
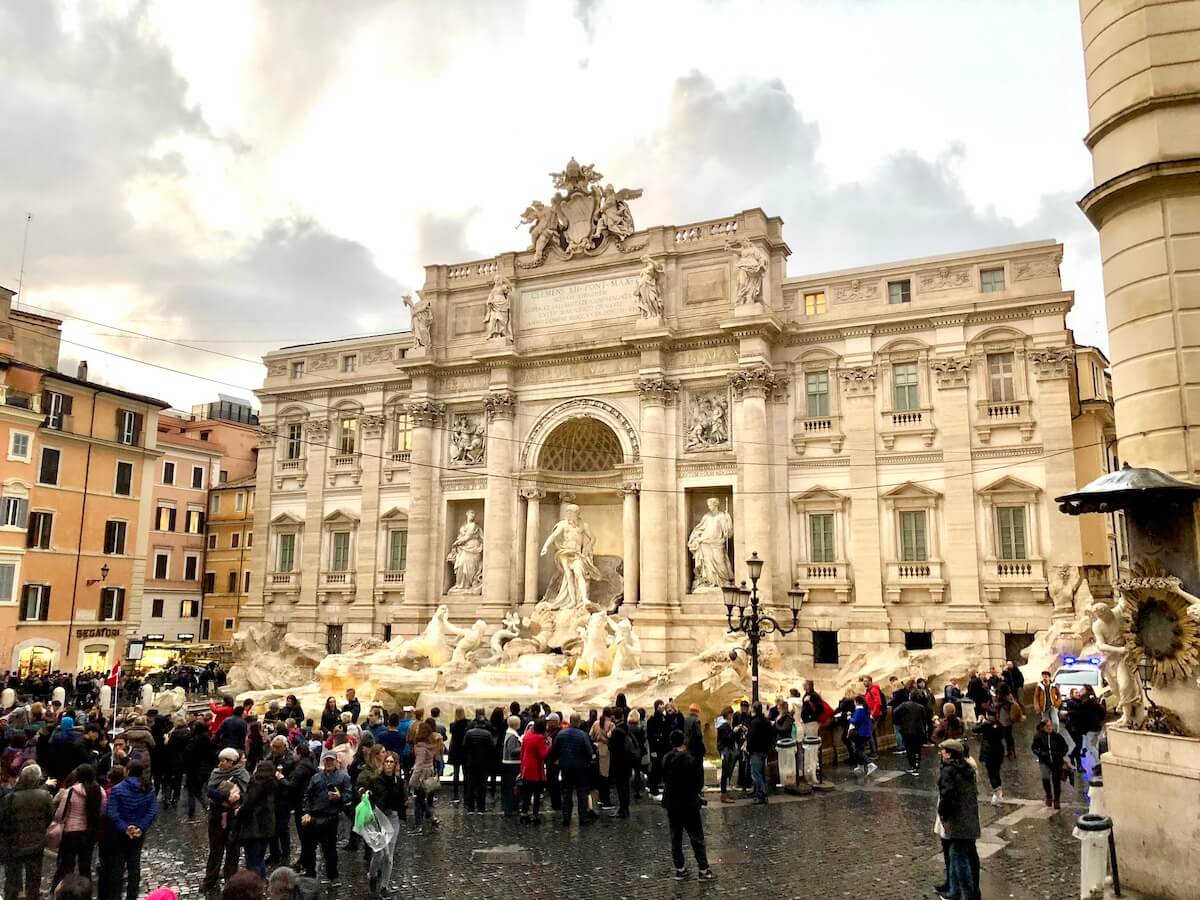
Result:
pixel 275 791
pixel 82 689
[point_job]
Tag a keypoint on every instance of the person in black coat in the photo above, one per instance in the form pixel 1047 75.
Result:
pixel 171 761
pixel 199 759
pixel 958 811
pixel 911 721
pixel 256 817
pixel 295 783
pixel 456 757
pixel 622 750
pixel 1051 750
pixel 681 799
pixel 992 752
pixel 658 736
pixel 760 741
pixel 233 731
pixel 479 754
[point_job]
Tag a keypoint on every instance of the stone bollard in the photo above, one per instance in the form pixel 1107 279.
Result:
pixel 147 697
pixel 1096 805
pixel 8 699
pixel 1092 832
pixel 811 749
pixel 105 699
pixel 59 694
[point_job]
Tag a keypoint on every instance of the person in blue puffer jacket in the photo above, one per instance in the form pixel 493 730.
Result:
pixel 861 728
pixel 132 809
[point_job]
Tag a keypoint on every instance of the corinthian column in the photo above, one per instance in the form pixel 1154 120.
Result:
pixel 533 515
pixel 751 388
pixel 498 514
pixel 656 502
pixel 629 526
pixel 424 414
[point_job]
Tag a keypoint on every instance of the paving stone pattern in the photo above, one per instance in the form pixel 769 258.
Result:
pixel 869 838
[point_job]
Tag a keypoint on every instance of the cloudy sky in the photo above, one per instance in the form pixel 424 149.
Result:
pixel 241 176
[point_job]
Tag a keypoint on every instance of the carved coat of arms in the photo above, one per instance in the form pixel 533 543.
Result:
pixel 582 216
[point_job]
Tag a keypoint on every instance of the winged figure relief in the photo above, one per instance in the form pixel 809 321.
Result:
pixel 615 217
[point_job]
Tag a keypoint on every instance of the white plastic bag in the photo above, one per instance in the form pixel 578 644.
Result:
pixel 377 832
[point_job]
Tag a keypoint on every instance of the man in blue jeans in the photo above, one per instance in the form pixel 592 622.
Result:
pixel 572 752
pixel 759 742
pixel 958 811
pixel 132 809
pixel 862 726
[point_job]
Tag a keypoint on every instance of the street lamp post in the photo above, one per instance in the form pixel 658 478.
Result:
pixel 750 621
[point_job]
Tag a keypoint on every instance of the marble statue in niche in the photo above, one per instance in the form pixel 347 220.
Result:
pixel 497 316
pixel 421 313
pixel 709 544
pixel 466 557
pixel 573 543
pixel 648 293
pixel 468 441
pixel 708 421
pixel 751 267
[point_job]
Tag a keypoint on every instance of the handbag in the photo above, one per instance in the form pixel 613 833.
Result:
pixel 432 784
pixel 54 834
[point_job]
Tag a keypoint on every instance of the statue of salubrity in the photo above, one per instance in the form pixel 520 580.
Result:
pixel 709 544
pixel 466 556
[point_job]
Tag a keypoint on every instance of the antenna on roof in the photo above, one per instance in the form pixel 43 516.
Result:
pixel 24 246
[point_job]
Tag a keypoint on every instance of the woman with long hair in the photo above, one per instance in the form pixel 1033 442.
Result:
pixel 80 807
pixel 331 716
pixel 423 783
pixel 255 746
pixel 381 777
pixel 599 733
pixel 256 816
pixel 458 730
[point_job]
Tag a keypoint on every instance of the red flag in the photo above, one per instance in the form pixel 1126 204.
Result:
pixel 111 680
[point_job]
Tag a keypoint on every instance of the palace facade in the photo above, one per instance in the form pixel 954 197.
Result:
pixel 888 439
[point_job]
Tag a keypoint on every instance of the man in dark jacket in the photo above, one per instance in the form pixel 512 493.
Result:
pixel 622 755
pixel 25 814
pixel 65 750
pixel 760 740
pixel 199 759
pixel 280 757
pixel 681 799
pixel 658 735
pixel 296 783
pixel 958 810
pixel 911 719
pixel 693 733
pixel 352 705
pixel 232 732
pixel 1013 678
pixel 328 793
pixel 479 754
pixel 132 809
pixel 572 752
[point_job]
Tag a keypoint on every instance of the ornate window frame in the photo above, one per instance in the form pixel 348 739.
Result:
pixel 993 415
pixel 1027 574
pixel 275 580
pixel 339 582
pixel 388 581
pixel 835 575
pixel 921 574
pixel 916 422
pixel 817 430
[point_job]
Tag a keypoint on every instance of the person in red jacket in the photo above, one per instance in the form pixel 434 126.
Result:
pixel 874 697
pixel 534 748
pixel 220 713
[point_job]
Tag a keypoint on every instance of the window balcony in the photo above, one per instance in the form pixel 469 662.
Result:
pixel 344 464
pixel 817 429
pixel 824 577
pixel 915 575
pixel 283 582
pixel 290 468
pixel 991 415
pixel 337 580
pixel 902 422
pixel 396 461
pixel 1022 576
pixel 389 586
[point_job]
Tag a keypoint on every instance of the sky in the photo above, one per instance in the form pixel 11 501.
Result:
pixel 243 176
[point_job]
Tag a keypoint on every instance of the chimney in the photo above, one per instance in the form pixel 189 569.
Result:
pixel 81 374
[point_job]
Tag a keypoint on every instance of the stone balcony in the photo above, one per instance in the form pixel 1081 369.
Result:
pixel 820 578
pixel 347 465
pixel 915 575
pixel 339 581
pixel 396 461
pixel 995 415
pixel 389 586
pixel 283 582
pixel 902 422
pixel 290 468
pixel 817 429
pixel 1021 578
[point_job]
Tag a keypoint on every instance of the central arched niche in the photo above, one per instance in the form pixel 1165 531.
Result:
pixel 581 445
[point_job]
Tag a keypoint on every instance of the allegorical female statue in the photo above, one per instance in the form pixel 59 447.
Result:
pixel 498 314
pixel 466 555
pixel 752 265
pixel 709 543
pixel 422 319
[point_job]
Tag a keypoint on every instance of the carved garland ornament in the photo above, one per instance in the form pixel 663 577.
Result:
pixel 581 407
pixel 1054 362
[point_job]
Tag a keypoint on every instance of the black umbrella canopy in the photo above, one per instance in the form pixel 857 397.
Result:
pixel 1125 488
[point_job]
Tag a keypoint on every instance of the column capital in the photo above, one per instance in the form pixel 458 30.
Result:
pixel 267 436
pixel 951 371
pixel 657 390
pixel 1052 362
pixel 533 493
pixel 316 429
pixel 858 381
pixel 758 381
pixel 500 405
pixel 425 413
pixel 372 425
pixel 630 487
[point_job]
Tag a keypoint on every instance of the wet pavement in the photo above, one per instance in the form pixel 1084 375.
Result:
pixel 869 837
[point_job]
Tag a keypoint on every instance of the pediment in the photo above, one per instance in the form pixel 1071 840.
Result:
pixel 1010 485
pixel 394 513
pixel 911 490
pixel 341 516
pixel 286 518
pixel 820 495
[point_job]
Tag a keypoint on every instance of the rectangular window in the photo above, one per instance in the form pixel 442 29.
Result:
pixel 156 608
pixel 162 565
pixel 239 501
pixel 229 624
pixel 165 519
pixel 245 582
pixel 35 603
pixel 397 550
pixel 295 440
pixel 198 477
pixel 820 534
pixel 918 640
pixel 124 483
pixel 347 434
pixel 900 291
pixel 189 609
pixel 249 538
pixel 212 542
pixel 235 540
pixel 195 521
pixel 1010 532
pixel 231 583
pixel 825 648
pixel 287 552
pixel 56 407
pixel 991 280
pixel 339 558
pixel 1001 383
pixel 8 575
pixel 913 544
pixel 816 389
pixel 168 473
pixel 210 582
pixel 112 604
pixel 114 537
pixel 39 530
pixel 14 512
pixel 401 432
pixel 48 470
pixel 19 448
pixel 297 369
pixel 205 629
pixel 814 303
pixel 129 427
pixel 905 386
pixel 223 477
pixel 191 568
pixel 214 505
pixel 349 362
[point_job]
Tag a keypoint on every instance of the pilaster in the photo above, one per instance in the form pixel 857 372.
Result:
pixel 865 553
pixel 1053 368
pixel 752 386
pixel 316 448
pixel 421 575
pixel 367 560
pixel 656 500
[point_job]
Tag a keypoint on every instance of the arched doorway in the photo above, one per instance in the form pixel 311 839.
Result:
pixel 35 660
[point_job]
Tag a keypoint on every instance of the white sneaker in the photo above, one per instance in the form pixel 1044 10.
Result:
pixel 995 798
pixel 871 769
pixel 858 770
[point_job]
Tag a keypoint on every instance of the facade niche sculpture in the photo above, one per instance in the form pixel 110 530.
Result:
pixel 573 543
pixel 709 544
pixel 752 266
pixel 648 293
pixel 421 313
pixel 498 315
pixel 466 557
pixel 468 441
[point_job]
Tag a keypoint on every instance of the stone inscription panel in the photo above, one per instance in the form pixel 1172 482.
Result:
pixel 571 303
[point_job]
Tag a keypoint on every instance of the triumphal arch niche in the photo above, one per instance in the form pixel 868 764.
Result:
pixel 616 378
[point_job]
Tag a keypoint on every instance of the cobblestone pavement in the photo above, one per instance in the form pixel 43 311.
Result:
pixel 866 838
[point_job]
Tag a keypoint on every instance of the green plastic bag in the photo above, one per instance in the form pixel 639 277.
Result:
pixel 364 813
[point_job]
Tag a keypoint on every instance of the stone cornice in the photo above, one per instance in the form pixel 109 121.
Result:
pixel 1150 180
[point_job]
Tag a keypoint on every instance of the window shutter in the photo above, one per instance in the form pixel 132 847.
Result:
pixel 22 513
pixel 44 612
pixel 67 404
pixel 138 418
pixel 118 416
pixel 30 537
pixel 171 520
pixel 46 405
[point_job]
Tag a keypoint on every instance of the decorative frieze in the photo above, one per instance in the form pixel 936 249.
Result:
pixel 856 291
pixel 657 390
pixel 376 355
pixel 1036 267
pixel 277 369
pixel 322 362
pixel 951 371
pixel 500 405
pixel 857 381
pixel 425 413
pixel 944 278
pixel 1052 362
